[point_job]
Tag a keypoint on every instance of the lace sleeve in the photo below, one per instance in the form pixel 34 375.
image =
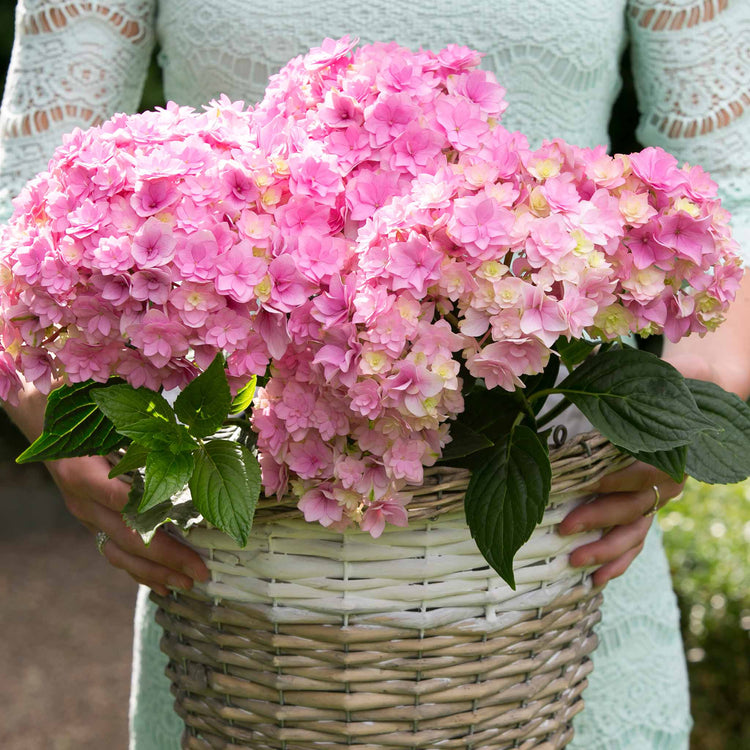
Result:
pixel 691 62
pixel 74 63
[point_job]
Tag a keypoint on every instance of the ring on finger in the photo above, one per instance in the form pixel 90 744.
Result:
pixel 657 499
pixel 101 537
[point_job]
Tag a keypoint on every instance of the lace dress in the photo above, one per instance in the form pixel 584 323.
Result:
pixel 75 63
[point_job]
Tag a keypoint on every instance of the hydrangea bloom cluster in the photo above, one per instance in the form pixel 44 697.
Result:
pixel 363 231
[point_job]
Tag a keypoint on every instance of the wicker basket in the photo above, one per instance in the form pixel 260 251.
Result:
pixel 308 638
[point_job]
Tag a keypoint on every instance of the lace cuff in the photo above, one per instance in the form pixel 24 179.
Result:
pixel 74 64
pixel 692 77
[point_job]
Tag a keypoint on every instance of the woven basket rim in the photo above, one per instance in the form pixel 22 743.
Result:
pixel 576 464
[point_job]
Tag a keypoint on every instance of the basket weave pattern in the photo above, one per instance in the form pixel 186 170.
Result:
pixel 309 638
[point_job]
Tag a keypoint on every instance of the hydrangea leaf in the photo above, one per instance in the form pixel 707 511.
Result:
pixel 464 442
pixel 573 352
pixel 506 498
pixel 134 458
pixel 204 403
pixel 671 462
pixel 720 457
pixel 225 487
pixel 179 510
pixel 166 475
pixel 73 426
pixel 636 400
pixel 244 397
pixel 144 416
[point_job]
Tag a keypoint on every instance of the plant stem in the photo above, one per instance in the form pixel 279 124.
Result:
pixel 452 319
pixel 555 411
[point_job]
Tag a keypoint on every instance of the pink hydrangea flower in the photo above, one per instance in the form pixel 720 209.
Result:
pixel 356 237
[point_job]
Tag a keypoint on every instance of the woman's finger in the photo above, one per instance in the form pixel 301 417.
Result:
pixel 615 568
pixel 612 545
pixel 614 509
pixel 145 571
pixel 635 477
pixel 157 587
pixel 163 550
pixel 86 479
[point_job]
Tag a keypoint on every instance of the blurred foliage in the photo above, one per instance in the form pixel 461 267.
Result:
pixel 707 538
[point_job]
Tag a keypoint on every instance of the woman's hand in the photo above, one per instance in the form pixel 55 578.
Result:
pixel 96 501
pixel 722 357
pixel 623 510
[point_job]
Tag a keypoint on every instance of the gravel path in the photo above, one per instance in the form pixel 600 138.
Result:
pixel 66 625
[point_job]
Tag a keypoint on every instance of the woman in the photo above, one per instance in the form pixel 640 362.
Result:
pixel 76 65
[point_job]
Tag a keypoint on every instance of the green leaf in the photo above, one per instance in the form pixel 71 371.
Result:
pixel 491 412
pixel 720 457
pixel 134 495
pixel 575 351
pixel 167 474
pixel 464 442
pixel 244 397
pixel 73 426
pixel 134 458
pixel 144 416
pixel 225 487
pixel 179 511
pixel 635 400
pixel 671 462
pixel 204 403
pixel 506 498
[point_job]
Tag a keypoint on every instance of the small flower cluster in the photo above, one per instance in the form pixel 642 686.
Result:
pixel 364 231
pixel 140 253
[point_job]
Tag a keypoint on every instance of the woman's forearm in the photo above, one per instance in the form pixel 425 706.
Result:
pixel 722 356
pixel 28 414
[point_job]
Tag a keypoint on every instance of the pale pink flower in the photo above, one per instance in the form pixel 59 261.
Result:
pixel 462 122
pixel 329 52
pixel 541 316
pixel 239 271
pixel 351 145
pixel 388 510
pixel 416 150
pixel 238 187
pixel 289 288
pixel 369 190
pixel 480 224
pixel 196 256
pixel 194 302
pixel 301 215
pixel 320 505
pixel 414 264
pixel 159 337
pixel 316 177
pixel 366 399
pixel 113 254
pixel 480 87
pixel 10 383
pixel 502 363
pixel 657 168
pixel 310 458
pixel 403 460
pixel 152 285
pixel 688 237
pixel 153 195
pixel 226 330
pixel 389 117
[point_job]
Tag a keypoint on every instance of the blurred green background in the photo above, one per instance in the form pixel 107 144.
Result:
pixel 707 533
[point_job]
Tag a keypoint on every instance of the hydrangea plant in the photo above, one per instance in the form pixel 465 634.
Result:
pixel 403 275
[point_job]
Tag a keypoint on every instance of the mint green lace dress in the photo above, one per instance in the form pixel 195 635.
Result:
pixel 74 64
